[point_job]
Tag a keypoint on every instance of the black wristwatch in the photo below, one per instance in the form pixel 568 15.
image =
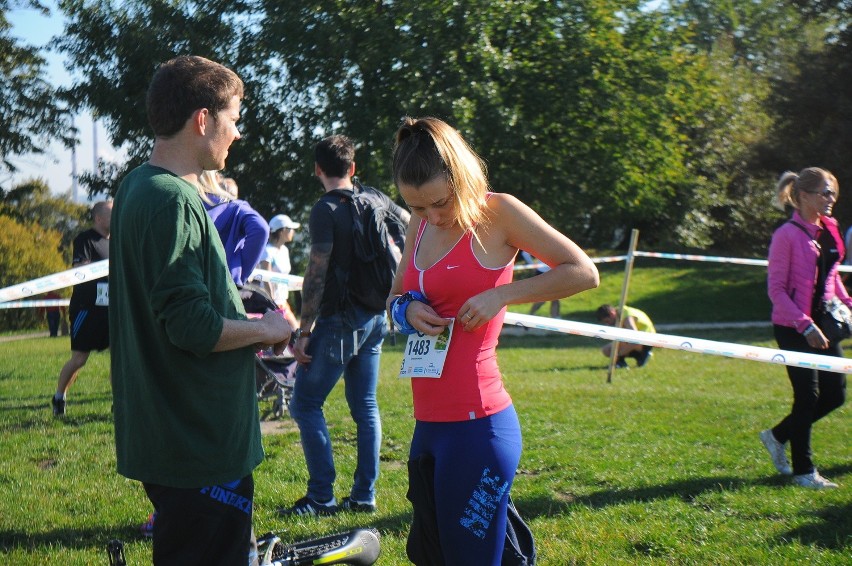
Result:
pixel 302 333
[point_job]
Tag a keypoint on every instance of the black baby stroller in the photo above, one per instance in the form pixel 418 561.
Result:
pixel 274 375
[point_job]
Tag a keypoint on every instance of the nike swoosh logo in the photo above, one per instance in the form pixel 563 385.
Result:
pixel 452 266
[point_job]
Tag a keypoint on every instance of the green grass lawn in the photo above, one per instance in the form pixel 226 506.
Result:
pixel 662 466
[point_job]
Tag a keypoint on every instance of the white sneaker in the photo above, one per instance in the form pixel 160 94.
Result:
pixel 777 452
pixel 814 481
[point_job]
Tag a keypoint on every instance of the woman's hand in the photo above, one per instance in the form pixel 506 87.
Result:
pixel 481 308
pixel 816 339
pixel 424 318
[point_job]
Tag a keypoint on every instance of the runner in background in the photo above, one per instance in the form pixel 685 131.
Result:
pixel 88 305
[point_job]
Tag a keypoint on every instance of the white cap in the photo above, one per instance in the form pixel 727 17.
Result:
pixel 280 221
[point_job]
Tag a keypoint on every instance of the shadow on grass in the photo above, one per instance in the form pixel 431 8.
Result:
pixel 66 538
pixel 831 529
pixel 43 402
pixel 97 539
pixel 38 409
pixel 686 490
pixel 398 524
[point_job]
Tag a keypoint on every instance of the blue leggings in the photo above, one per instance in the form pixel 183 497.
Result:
pixel 475 463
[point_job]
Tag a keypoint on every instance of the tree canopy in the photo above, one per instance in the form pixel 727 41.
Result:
pixel 32 113
pixel 31 203
pixel 601 114
pixel 26 249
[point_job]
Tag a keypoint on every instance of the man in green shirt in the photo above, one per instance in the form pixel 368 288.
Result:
pixel 634 319
pixel 186 415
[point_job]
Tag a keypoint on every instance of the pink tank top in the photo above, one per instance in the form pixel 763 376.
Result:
pixel 470 386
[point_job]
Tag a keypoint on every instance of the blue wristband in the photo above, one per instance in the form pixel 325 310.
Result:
pixel 399 308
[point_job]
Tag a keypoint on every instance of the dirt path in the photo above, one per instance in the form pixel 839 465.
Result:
pixel 13 337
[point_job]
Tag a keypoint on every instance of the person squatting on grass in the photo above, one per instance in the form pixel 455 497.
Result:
pixel 457 270
pixel 634 319
pixel 186 415
pixel 802 274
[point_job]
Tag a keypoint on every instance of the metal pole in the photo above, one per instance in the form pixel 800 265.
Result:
pixel 94 145
pixel 625 286
pixel 73 168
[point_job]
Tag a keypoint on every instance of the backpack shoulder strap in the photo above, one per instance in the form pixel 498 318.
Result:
pixel 348 195
pixel 800 227
pixel 805 230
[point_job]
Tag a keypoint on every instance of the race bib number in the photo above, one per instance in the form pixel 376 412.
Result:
pixel 424 355
pixel 102 297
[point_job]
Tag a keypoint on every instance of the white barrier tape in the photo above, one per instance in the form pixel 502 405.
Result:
pixel 60 280
pixel 26 304
pixel 712 325
pixel 711 258
pixel 100 269
pixel 754 353
pixel 294 282
pixel 718 259
pixel 609 259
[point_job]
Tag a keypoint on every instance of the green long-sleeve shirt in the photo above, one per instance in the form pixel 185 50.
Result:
pixel 184 416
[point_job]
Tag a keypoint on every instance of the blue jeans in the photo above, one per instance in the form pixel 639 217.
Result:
pixel 349 344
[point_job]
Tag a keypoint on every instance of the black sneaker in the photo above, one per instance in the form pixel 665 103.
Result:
pixel 349 504
pixel 308 506
pixel 642 357
pixel 58 406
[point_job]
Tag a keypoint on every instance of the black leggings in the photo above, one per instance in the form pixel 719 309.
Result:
pixel 815 394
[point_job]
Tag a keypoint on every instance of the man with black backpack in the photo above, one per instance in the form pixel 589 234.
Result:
pixel 354 246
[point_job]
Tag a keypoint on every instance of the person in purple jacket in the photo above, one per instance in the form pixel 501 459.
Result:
pixel 244 232
pixel 802 274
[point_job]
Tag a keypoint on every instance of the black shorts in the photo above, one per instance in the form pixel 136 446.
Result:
pixel 203 525
pixel 89 328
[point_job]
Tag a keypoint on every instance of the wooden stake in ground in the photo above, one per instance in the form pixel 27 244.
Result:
pixel 625 286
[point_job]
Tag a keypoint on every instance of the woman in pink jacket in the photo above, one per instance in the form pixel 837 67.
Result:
pixel 803 259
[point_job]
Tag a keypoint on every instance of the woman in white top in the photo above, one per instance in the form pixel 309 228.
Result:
pixel 276 258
